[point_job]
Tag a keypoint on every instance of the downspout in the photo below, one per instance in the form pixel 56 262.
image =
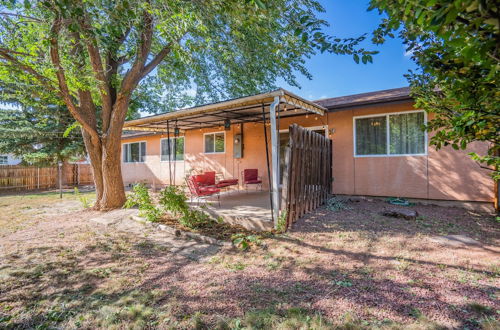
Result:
pixel 275 156
pixel 267 162
pixel 169 161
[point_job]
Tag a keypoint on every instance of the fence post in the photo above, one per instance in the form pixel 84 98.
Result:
pixel 59 172
pixel 38 178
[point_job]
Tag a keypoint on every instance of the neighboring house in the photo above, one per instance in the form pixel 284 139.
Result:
pixel 378 147
pixel 8 159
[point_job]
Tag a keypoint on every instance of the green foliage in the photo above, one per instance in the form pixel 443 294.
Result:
pixel 83 199
pixel 219 49
pixel 174 200
pixel 244 242
pixel 456 47
pixel 281 227
pixel 140 197
pixel 344 283
pixel 335 204
pixel 36 135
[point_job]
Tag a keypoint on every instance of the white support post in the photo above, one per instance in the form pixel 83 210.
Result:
pixel 275 157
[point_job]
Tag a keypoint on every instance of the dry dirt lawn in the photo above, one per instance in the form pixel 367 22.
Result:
pixel 346 269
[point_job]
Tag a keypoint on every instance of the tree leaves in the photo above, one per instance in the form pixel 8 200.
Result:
pixel 456 47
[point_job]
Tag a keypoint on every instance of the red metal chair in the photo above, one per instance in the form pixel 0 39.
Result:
pixel 251 176
pixel 199 190
pixel 210 179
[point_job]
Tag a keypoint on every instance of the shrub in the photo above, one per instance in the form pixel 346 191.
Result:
pixel 83 199
pixel 174 200
pixel 243 241
pixel 140 198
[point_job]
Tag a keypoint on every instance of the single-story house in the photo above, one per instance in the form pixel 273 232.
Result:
pixel 378 148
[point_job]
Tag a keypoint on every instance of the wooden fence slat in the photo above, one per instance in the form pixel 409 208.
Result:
pixel 18 177
pixel 308 172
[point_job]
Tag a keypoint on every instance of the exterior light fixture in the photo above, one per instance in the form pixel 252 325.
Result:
pixel 227 124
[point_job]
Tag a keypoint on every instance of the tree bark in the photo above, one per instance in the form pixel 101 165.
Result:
pixel 95 154
pixel 114 191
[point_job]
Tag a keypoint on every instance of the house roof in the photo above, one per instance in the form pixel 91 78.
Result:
pixel 383 96
pixel 134 134
pixel 240 110
pixel 250 109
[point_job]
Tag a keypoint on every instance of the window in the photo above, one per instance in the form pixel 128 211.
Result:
pixel 391 134
pixel 134 152
pixel 215 143
pixel 4 160
pixel 175 148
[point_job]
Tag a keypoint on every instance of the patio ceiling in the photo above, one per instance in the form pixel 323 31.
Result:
pixel 238 111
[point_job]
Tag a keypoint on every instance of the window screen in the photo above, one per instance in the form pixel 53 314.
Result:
pixel 371 138
pixel 175 148
pixel 214 143
pixel 134 152
pixel 402 131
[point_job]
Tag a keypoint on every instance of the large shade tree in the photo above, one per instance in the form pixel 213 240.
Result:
pixel 456 46
pixel 93 55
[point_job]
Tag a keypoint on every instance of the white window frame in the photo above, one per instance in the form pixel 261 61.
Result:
pixel 6 157
pixel 388 134
pixel 214 152
pixel 145 154
pixel 184 144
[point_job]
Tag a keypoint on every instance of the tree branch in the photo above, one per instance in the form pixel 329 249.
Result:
pixel 100 75
pixel 28 69
pixel 22 16
pixel 6 50
pixel 156 60
pixel 63 86
pixel 134 74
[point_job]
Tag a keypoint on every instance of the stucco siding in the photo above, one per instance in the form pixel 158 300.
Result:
pixel 445 174
pixel 441 174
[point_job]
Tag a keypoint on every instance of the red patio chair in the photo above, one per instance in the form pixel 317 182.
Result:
pixel 251 176
pixel 200 180
pixel 211 181
pixel 199 191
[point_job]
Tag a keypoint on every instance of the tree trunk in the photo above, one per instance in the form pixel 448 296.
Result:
pixel 106 167
pixel 114 191
pixel 95 155
pixel 105 158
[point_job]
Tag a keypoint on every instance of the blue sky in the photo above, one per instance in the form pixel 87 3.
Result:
pixel 335 75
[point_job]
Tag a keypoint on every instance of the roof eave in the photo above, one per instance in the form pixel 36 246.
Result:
pixel 367 103
pixel 284 96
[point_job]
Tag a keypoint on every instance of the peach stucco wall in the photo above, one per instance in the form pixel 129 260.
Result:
pixel 444 174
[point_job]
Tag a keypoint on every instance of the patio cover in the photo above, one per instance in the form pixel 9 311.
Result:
pixel 238 111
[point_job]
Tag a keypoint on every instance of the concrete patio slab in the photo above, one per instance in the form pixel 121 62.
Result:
pixel 250 209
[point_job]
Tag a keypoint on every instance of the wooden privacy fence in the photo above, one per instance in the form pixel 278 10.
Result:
pixel 18 177
pixel 77 174
pixel 307 177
